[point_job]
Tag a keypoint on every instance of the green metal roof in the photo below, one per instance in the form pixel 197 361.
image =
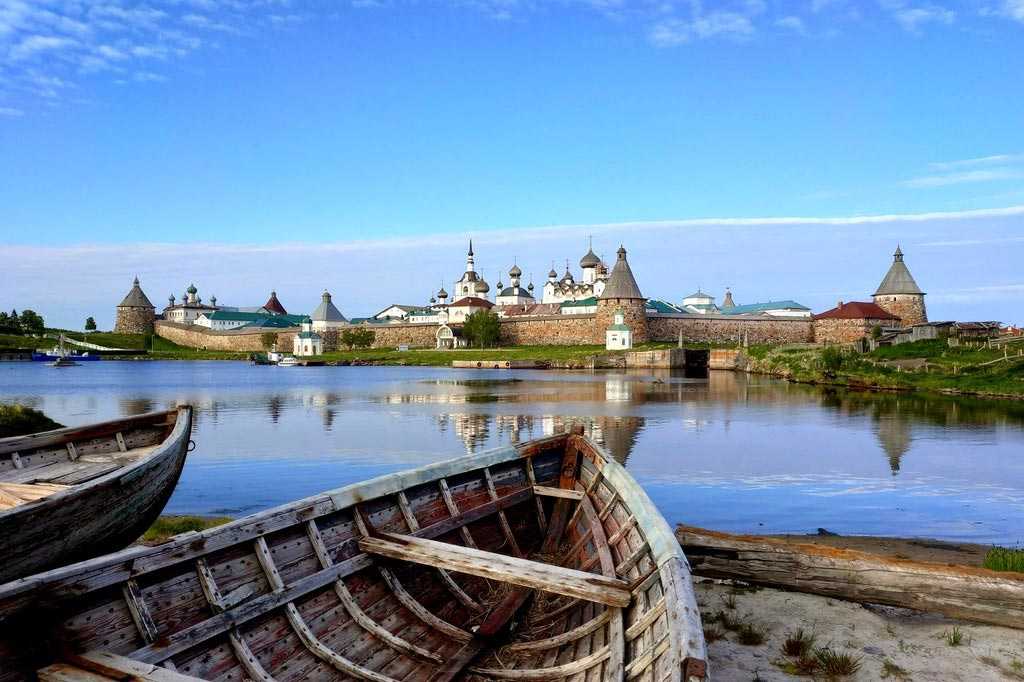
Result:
pixel 660 306
pixel 236 316
pixel 308 335
pixel 582 303
pixel 619 328
pixel 753 308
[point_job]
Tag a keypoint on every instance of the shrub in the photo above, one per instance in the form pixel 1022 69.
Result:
pixel 750 635
pixel 954 637
pixel 358 338
pixel 799 644
pixel 836 663
pixel 832 359
pixel 18 420
pixel 268 339
pixel 482 329
pixel 1004 559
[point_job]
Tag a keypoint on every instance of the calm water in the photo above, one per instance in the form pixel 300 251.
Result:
pixel 725 451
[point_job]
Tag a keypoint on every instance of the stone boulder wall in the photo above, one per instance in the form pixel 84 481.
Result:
pixel 908 307
pixel 845 331
pixel 131 320
pixel 556 330
pixel 730 329
pixel 239 341
pixel 413 335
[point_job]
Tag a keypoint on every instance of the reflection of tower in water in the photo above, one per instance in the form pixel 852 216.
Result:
pixel 275 405
pixel 133 406
pixel 473 429
pixel 895 437
pixel 328 415
pixel 513 428
pixel 617 435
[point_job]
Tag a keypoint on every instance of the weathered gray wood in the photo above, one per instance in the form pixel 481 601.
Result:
pixel 564 638
pixel 968 593
pixel 565 493
pixel 16 461
pixel 65 672
pixel 553 673
pixel 510 537
pixel 531 477
pixel 121 667
pixel 453 509
pixel 140 612
pixel 104 513
pixel 121 445
pixel 514 570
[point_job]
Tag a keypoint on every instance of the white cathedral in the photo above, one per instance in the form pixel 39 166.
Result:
pixel 472 285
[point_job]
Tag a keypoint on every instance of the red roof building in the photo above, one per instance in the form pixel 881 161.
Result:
pixel 856 310
pixel 850 322
pixel 274 306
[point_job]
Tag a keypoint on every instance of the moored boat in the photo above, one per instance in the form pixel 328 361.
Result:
pixel 287 361
pixel 75 493
pixel 540 561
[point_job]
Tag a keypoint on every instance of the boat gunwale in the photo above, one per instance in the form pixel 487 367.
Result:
pixel 169 443
pixel 45 437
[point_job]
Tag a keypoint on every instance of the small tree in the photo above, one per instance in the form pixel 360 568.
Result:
pixel 482 329
pixel 268 339
pixel 832 360
pixel 90 324
pixel 31 322
pixel 13 323
pixel 358 338
pixel 363 338
pixel 876 332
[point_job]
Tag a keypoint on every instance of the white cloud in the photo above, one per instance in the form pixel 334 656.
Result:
pixel 912 17
pixel 993 160
pixel 31 46
pixel 792 23
pixel 11 111
pixel 965 177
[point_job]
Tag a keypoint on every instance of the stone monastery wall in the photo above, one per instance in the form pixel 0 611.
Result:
pixel 561 330
pixel 727 328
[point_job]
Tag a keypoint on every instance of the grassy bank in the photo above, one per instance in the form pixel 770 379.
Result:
pixel 924 365
pixel 18 420
pixel 168 526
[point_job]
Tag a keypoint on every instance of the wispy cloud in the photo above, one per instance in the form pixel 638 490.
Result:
pixel 993 160
pixel 50 46
pixel 964 177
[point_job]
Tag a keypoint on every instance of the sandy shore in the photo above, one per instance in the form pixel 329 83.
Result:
pixel 914 645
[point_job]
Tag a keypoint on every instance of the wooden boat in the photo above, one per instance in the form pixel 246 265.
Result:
pixel 75 493
pixel 541 561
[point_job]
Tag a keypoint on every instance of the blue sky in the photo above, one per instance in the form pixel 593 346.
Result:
pixel 136 127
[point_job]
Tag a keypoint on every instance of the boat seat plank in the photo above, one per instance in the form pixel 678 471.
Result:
pixel 31 473
pixel 87 472
pixel 65 672
pixel 500 567
pixel 13 494
pixel 565 493
pixel 122 668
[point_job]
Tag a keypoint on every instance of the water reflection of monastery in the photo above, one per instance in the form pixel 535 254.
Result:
pixel 616 434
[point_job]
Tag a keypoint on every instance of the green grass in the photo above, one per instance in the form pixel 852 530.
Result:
pixel 18 420
pixel 108 339
pixel 1004 559
pixel 891 670
pixel 835 664
pixel 166 527
pixel 949 370
pixel 799 644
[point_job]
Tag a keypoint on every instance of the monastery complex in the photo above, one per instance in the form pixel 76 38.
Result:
pixel 604 305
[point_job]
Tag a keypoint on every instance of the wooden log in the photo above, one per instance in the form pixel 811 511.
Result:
pixel 522 572
pixel 963 592
pixel 546 491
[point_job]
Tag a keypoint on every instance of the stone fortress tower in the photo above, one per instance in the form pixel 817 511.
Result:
pixel 622 293
pixel 135 314
pixel 899 294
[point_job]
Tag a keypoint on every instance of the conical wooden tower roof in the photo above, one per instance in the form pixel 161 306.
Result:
pixel 898 280
pixel 136 298
pixel 621 283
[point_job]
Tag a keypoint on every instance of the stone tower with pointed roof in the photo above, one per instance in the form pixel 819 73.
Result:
pixel 621 293
pixel 899 294
pixel 135 314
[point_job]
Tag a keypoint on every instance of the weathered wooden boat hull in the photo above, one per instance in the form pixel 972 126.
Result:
pixel 540 561
pixel 103 514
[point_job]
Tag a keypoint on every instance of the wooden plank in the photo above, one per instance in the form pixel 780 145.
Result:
pixel 140 613
pixel 565 637
pixel 453 509
pixel 962 592
pixel 121 445
pixel 243 653
pixel 542 522
pixel 16 461
pixel 356 612
pixel 639 664
pixel 514 570
pixel 615 668
pixel 72 451
pixel 633 559
pixel 124 668
pixel 610 506
pixel 321 651
pixel 403 596
pixel 502 519
pixel 185 639
pixel 449 582
pixel 564 493
pixel 267 563
pixel 453 668
pixel 575 667
pixel 560 513
pixel 621 532
pixel 646 620
pixel 65 672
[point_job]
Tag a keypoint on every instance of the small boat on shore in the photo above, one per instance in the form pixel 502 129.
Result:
pixel 539 561
pixel 287 361
pixel 75 493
